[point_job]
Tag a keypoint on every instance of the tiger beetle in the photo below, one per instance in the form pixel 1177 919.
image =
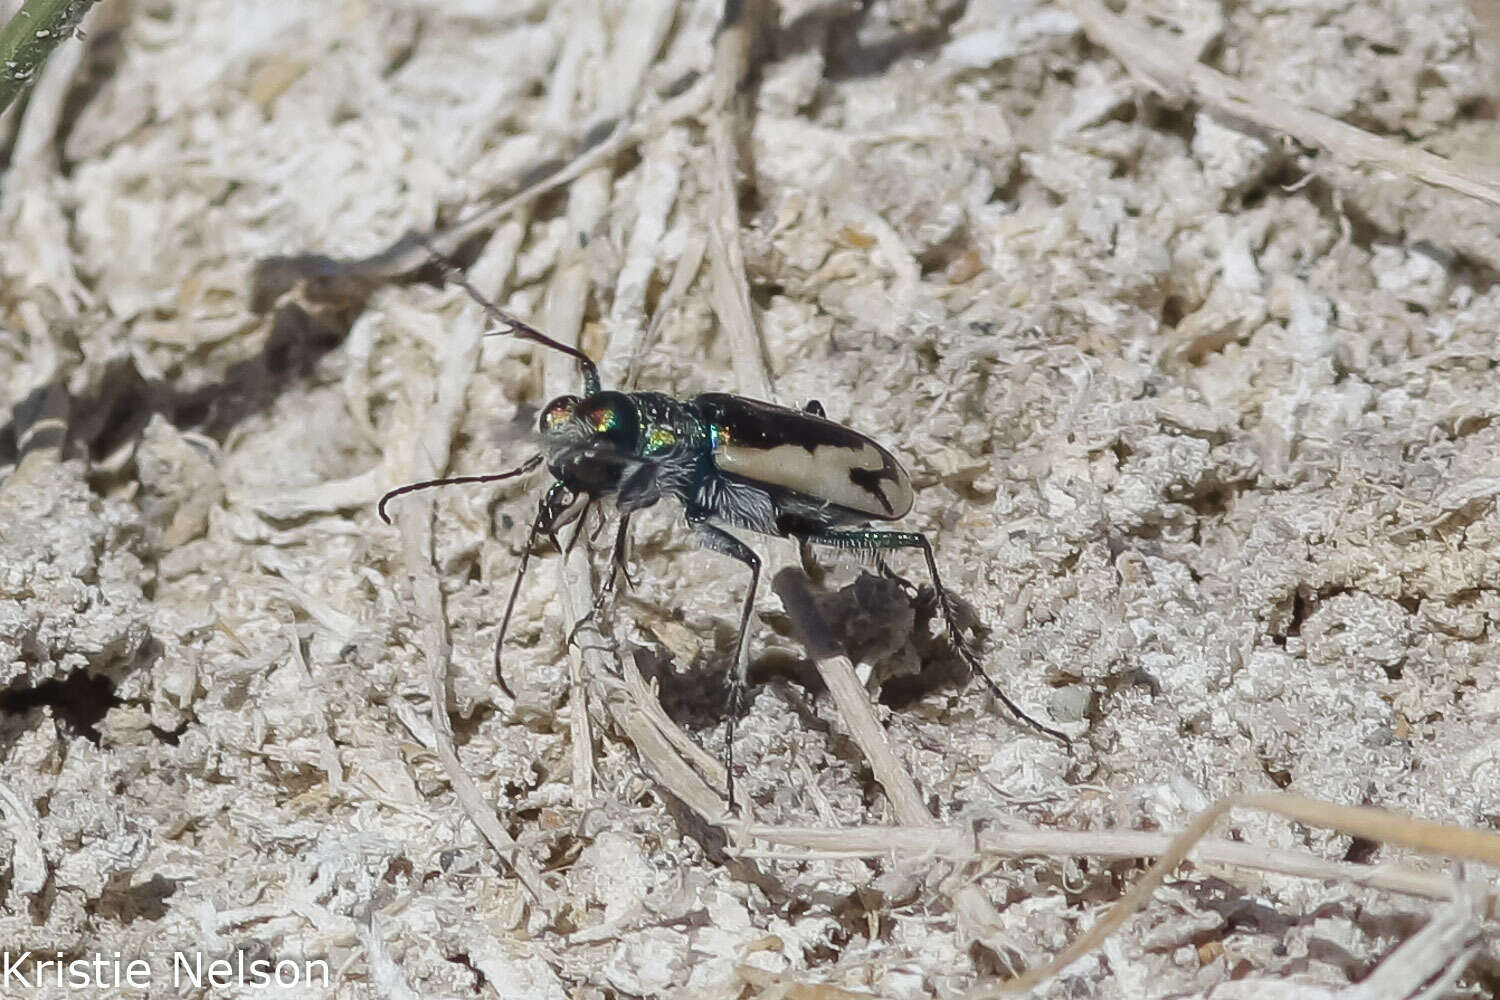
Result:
pixel 731 462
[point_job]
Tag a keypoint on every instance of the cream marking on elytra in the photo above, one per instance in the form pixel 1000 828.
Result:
pixel 825 471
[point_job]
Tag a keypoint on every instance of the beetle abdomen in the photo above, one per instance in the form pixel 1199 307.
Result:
pixel 797 451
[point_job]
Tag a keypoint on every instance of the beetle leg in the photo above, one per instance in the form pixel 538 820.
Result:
pixel 873 541
pixel 640 489
pixel 718 540
pixel 552 505
pixel 815 408
pixel 598 526
pixel 616 566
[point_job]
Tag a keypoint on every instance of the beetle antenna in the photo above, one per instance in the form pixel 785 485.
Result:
pixel 517 327
pixel 426 484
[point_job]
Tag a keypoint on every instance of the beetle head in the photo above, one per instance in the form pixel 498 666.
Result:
pixel 609 419
pixel 591 443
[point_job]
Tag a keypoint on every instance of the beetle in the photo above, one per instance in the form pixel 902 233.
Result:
pixel 730 462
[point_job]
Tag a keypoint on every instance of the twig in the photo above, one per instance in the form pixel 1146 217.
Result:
pixel 687 269
pixel 851 697
pixel 1161 66
pixel 416 538
pixel 331 280
pixel 638 713
pixel 437 650
pixel 649 705
pixel 589 668
pixel 1361 821
pixel 955 843
pixel 661 176
pixel 787 987
pixel 731 302
pixel 1435 956
pixel 567 293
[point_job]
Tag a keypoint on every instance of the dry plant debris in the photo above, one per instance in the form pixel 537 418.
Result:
pixel 1182 317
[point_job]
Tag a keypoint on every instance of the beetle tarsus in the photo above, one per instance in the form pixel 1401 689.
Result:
pixel 735 705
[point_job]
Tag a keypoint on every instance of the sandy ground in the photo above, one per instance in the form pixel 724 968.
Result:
pixel 1202 420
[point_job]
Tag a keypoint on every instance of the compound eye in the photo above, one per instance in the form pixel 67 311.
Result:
pixel 557 413
pixel 612 418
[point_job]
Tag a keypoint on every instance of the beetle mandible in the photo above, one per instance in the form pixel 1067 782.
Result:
pixel 730 462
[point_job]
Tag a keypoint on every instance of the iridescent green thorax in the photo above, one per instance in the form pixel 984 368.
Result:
pixel 660 439
pixel 667 427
